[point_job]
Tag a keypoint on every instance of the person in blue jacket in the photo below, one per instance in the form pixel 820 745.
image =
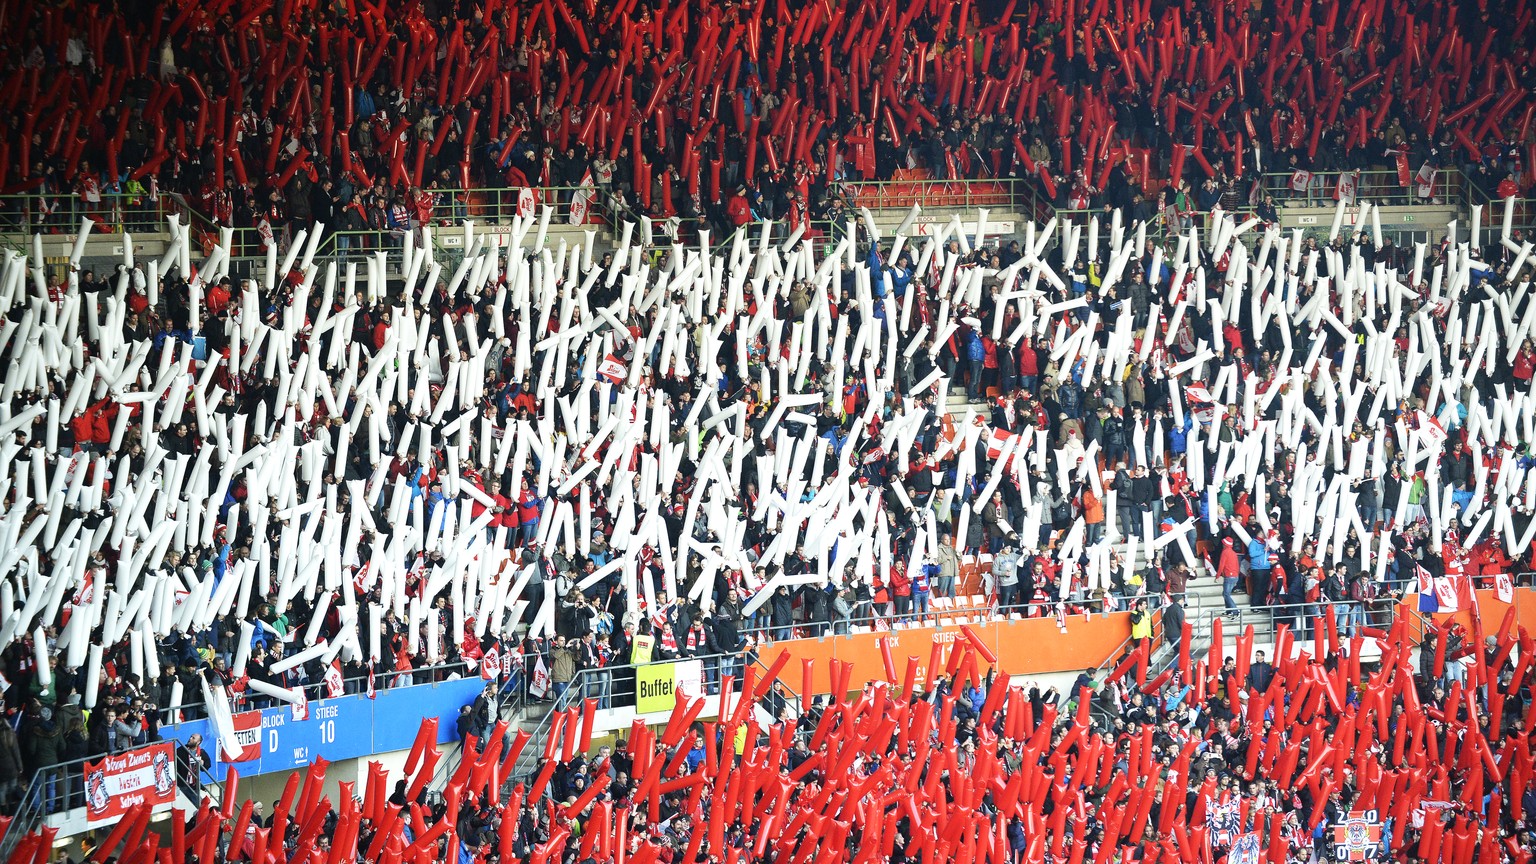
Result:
pixel 1179 435
pixel 1258 567
pixel 977 354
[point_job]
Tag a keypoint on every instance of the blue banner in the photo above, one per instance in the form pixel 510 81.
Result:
pixel 347 727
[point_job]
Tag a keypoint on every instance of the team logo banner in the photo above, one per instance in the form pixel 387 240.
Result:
pixel 1245 850
pixel 1358 837
pixel 1225 820
pixel 117 783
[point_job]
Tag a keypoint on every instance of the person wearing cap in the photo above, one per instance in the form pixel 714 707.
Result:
pixel 1229 570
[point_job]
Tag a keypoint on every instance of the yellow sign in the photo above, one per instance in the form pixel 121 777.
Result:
pixel 655 687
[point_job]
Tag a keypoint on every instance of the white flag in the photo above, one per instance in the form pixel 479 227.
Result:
pixel 581 202
pixel 333 680
pixel 540 683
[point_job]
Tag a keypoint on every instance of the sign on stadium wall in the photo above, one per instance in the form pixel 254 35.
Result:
pixel 120 782
pixel 929 226
pixel 656 684
pixel 1023 647
pixel 347 727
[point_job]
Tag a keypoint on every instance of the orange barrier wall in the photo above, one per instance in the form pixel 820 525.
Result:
pixel 1492 610
pixel 1025 647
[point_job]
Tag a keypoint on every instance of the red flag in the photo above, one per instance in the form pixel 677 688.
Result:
pixel 1505 587
pixel 372 693
pixel 490 664
pixel 333 679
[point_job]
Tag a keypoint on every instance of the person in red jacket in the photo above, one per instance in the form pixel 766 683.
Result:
pixel 989 361
pixel 901 590
pixel 1525 364
pixel 528 509
pixel 1229 570
pixel 737 209
pixel 218 296
pixel 381 331
pixel 506 515
pixel 1029 365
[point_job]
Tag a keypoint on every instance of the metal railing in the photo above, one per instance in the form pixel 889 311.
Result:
pixel 1000 192
pixel 512 693
pixel 1380 187
pixel 491 209
pixel 59 788
pixel 1378 613
pixel 1161 231
pixel 316 690
pixel 1522 219
pixel 876 621
pixel 61 212
pixel 1158 654
pixel 589 683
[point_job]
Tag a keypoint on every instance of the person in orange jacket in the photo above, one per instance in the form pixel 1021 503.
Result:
pixel 1093 515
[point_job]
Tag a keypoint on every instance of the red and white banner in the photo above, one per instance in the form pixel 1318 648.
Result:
pixel 1445 593
pixel 333 680
pixel 118 783
pixel 997 439
pixel 581 202
pixel 299 708
pixel 612 369
pixel 248 733
pixel 490 664
pixel 1424 181
pixel 1505 587
pixel 540 683
pixel 1344 188
pixel 525 203
pixel 1434 433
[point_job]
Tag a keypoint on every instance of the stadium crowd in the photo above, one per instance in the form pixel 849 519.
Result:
pixel 377 116
pixel 1099 458
pixel 1315 422
pixel 1227 758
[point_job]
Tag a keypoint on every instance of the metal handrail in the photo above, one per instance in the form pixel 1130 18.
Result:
pixel 506 709
pixel 60 787
pixel 1268 619
pixel 990 612
pixel 528 762
pixel 1382 187
pixel 195 710
pixel 1493 208
pixel 969 193
pixel 61 212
